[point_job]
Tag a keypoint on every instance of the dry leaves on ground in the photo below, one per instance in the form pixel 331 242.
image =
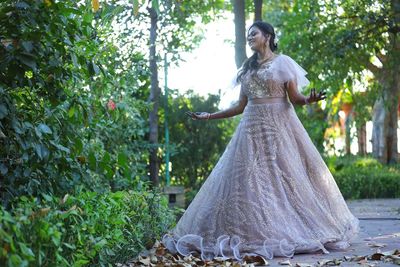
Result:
pixel 159 256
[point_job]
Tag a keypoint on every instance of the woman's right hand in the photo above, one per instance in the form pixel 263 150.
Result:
pixel 198 115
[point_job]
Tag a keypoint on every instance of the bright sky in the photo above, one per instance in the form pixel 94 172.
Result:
pixel 211 66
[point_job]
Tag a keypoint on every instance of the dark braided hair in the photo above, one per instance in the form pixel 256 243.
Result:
pixel 251 63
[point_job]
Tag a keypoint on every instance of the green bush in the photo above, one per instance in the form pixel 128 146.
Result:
pixel 366 177
pixel 89 229
pixel 65 95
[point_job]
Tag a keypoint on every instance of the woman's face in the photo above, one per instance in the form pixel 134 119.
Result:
pixel 256 39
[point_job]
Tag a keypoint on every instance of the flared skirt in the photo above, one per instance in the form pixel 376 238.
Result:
pixel 270 194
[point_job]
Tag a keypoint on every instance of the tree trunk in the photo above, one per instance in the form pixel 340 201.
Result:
pixel 385 120
pixel 347 124
pixel 391 139
pixel 154 97
pixel 257 9
pixel 240 32
pixel 395 84
pixel 362 139
pixel 385 117
pixel 379 129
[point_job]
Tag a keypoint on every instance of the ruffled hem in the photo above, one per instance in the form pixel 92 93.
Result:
pixel 231 247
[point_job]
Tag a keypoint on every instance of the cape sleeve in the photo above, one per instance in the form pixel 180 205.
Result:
pixel 286 69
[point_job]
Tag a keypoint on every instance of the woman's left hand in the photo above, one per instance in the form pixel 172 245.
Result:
pixel 315 97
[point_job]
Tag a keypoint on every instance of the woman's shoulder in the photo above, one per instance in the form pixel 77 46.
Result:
pixel 283 57
pixel 285 61
pixel 285 69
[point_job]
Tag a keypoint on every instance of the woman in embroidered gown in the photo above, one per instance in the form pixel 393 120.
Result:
pixel 270 193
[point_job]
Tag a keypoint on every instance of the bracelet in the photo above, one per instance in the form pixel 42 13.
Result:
pixel 306 101
pixel 209 115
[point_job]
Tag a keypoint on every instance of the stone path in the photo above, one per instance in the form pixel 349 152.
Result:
pixel 379 226
pixel 379 230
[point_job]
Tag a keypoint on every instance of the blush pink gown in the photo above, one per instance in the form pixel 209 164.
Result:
pixel 270 193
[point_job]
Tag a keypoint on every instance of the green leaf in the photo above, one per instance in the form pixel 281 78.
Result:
pixel 135 7
pixel 28 60
pixel 92 160
pixel 17 126
pixel 27 46
pixel 26 251
pixel 96 68
pixel 47 197
pixel 21 5
pixel 78 145
pixel 3 169
pixel 100 244
pixel 74 60
pixel 122 159
pixel 42 151
pixel 109 172
pixel 3 111
pixel 71 111
pixel 70 246
pixel 156 6
pixel 44 128
pixel 80 262
pixel 107 157
pixel 60 147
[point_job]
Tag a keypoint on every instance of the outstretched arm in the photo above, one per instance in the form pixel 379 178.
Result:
pixel 297 98
pixel 230 112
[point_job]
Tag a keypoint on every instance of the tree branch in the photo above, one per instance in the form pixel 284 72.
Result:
pixel 382 58
pixel 374 69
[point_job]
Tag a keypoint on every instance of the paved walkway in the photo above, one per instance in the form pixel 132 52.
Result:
pixel 379 229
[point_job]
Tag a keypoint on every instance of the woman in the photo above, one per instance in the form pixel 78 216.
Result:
pixel 270 193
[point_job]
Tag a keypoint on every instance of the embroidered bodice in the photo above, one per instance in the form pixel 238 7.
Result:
pixel 269 79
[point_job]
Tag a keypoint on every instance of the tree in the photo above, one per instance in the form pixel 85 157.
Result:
pixel 336 41
pixel 155 92
pixel 172 26
pixel 207 138
pixel 64 96
pixel 258 9
pixel 240 32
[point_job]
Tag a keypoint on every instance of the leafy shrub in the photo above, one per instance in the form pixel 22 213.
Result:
pixel 57 133
pixel 365 177
pixel 91 228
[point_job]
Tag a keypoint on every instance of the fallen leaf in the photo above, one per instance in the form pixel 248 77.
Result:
pixel 376 245
pixel 347 258
pixel 153 259
pixel 287 262
pixel 257 260
pixel 358 258
pixel 144 260
pixel 393 257
pixel 376 256
pixel 324 262
pixel 298 264
pixel 337 261
pixel 364 261
pixel 160 251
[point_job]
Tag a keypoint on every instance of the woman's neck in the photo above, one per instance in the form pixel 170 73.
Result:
pixel 265 55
